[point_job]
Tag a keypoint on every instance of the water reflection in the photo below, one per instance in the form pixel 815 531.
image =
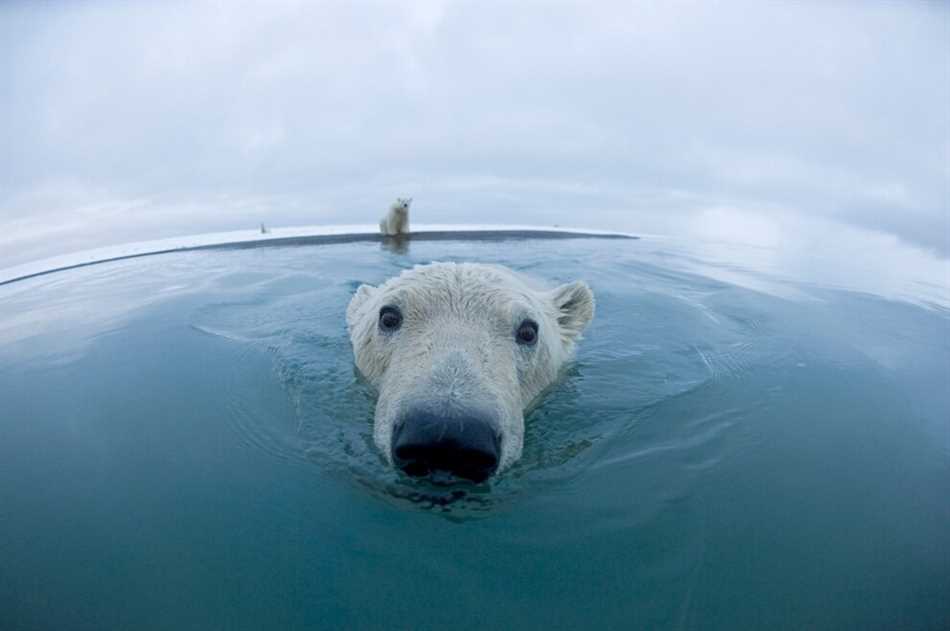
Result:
pixel 398 244
pixel 789 255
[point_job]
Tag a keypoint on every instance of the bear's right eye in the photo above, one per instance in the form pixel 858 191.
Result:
pixel 390 319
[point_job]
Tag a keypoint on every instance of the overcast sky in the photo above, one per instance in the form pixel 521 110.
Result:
pixel 133 121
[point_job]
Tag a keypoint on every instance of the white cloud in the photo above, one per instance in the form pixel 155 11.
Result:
pixel 631 113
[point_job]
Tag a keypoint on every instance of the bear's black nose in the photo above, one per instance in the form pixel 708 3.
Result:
pixel 467 446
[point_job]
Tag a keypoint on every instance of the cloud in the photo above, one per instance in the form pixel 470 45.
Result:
pixel 170 118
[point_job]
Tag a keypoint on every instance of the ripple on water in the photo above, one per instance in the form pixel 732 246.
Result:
pixel 659 336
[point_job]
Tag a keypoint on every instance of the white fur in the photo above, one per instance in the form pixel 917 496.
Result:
pixel 457 348
pixel 396 221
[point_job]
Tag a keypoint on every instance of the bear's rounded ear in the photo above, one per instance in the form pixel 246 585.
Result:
pixel 359 301
pixel 574 304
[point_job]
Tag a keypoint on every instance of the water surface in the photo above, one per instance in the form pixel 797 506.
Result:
pixel 184 443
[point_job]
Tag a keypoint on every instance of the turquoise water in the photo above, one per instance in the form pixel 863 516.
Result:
pixel 184 444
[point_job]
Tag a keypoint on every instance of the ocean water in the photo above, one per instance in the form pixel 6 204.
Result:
pixel 740 443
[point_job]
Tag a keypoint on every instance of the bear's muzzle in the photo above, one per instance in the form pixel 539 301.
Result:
pixel 465 445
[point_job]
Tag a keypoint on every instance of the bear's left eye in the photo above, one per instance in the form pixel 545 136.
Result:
pixel 527 333
pixel 390 318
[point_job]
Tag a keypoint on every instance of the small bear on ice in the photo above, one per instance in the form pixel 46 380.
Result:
pixel 396 221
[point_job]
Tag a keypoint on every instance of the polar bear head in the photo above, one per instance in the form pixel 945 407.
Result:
pixel 457 352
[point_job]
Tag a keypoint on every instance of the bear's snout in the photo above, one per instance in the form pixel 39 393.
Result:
pixel 465 445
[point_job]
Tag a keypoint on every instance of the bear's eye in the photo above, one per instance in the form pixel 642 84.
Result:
pixel 390 318
pixel 527 333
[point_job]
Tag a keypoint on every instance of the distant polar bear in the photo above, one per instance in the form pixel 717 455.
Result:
pixel 457 352
pixel 396 221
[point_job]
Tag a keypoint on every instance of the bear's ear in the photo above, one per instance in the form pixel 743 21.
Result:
pixel 574 304
pixel 357 303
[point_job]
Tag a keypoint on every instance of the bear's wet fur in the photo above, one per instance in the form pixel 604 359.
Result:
pixel 459 341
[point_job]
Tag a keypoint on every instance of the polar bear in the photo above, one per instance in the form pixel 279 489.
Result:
pixel 457 352
pixel 396 221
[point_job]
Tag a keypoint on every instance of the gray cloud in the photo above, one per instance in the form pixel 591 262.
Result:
pixel 124 121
